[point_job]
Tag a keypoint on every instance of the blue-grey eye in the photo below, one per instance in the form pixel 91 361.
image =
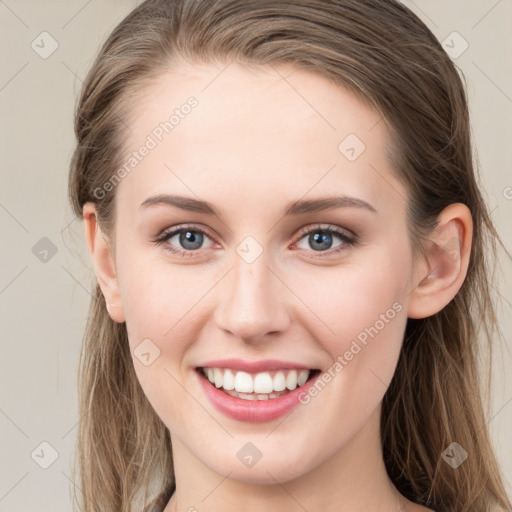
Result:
pixel 190 239
pixel 320 241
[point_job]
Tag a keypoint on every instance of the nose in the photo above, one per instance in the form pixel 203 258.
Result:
pixel 253 302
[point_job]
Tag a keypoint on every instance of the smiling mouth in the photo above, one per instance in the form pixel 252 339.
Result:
pixel 257 386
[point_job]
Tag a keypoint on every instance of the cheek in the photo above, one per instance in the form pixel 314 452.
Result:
pixel 159 302
pixel 157 296
pixel 366 316
pixel 164 314
pixel 352 298
pixel 362 309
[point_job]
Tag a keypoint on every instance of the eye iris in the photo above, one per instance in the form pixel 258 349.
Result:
pixel 191 237
pixel 316 239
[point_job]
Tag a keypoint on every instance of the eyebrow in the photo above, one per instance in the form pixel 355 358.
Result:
pixel 299 207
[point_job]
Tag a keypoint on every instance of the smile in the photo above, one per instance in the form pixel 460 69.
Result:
pixel 259 386
pixel 255 397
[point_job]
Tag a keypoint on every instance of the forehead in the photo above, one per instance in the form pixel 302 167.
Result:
pixel 215 127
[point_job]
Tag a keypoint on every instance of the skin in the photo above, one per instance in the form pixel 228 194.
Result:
pixel 259 139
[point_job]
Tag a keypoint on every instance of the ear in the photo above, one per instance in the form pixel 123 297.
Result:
pixel 104 265
pixel 442 274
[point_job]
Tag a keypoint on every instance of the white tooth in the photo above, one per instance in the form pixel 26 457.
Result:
pixel 291 380
pixel 279 383
pixel 263 383
pixel 273 395
pixel 303 377
pixel 262 397
pixel 247 397
pixel 218 377
pixel 229 380
pixel 243 382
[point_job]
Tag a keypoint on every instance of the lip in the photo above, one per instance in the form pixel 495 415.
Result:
pixel 254 411
pixel 265 365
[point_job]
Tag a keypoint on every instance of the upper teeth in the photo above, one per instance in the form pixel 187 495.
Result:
pixel 264 382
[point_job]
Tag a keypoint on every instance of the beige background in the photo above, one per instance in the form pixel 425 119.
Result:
pixel 43 305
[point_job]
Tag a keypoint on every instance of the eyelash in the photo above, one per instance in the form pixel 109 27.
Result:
pixel 167 234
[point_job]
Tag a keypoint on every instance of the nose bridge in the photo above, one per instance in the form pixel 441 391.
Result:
pixel 252 303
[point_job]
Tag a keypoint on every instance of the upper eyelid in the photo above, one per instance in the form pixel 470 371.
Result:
pixel 328 228
pixel 176 229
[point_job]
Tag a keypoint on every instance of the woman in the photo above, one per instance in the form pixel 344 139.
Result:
pixel 288 240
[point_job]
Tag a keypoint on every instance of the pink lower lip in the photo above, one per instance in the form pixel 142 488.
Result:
pixel 255 411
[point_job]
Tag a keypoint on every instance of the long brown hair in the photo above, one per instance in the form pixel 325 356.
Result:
pixel 384 54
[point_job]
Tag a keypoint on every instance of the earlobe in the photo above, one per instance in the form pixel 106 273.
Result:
pixel 103 261
pixel 448 253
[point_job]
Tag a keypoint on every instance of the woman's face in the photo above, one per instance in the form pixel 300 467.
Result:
pixel 267 280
